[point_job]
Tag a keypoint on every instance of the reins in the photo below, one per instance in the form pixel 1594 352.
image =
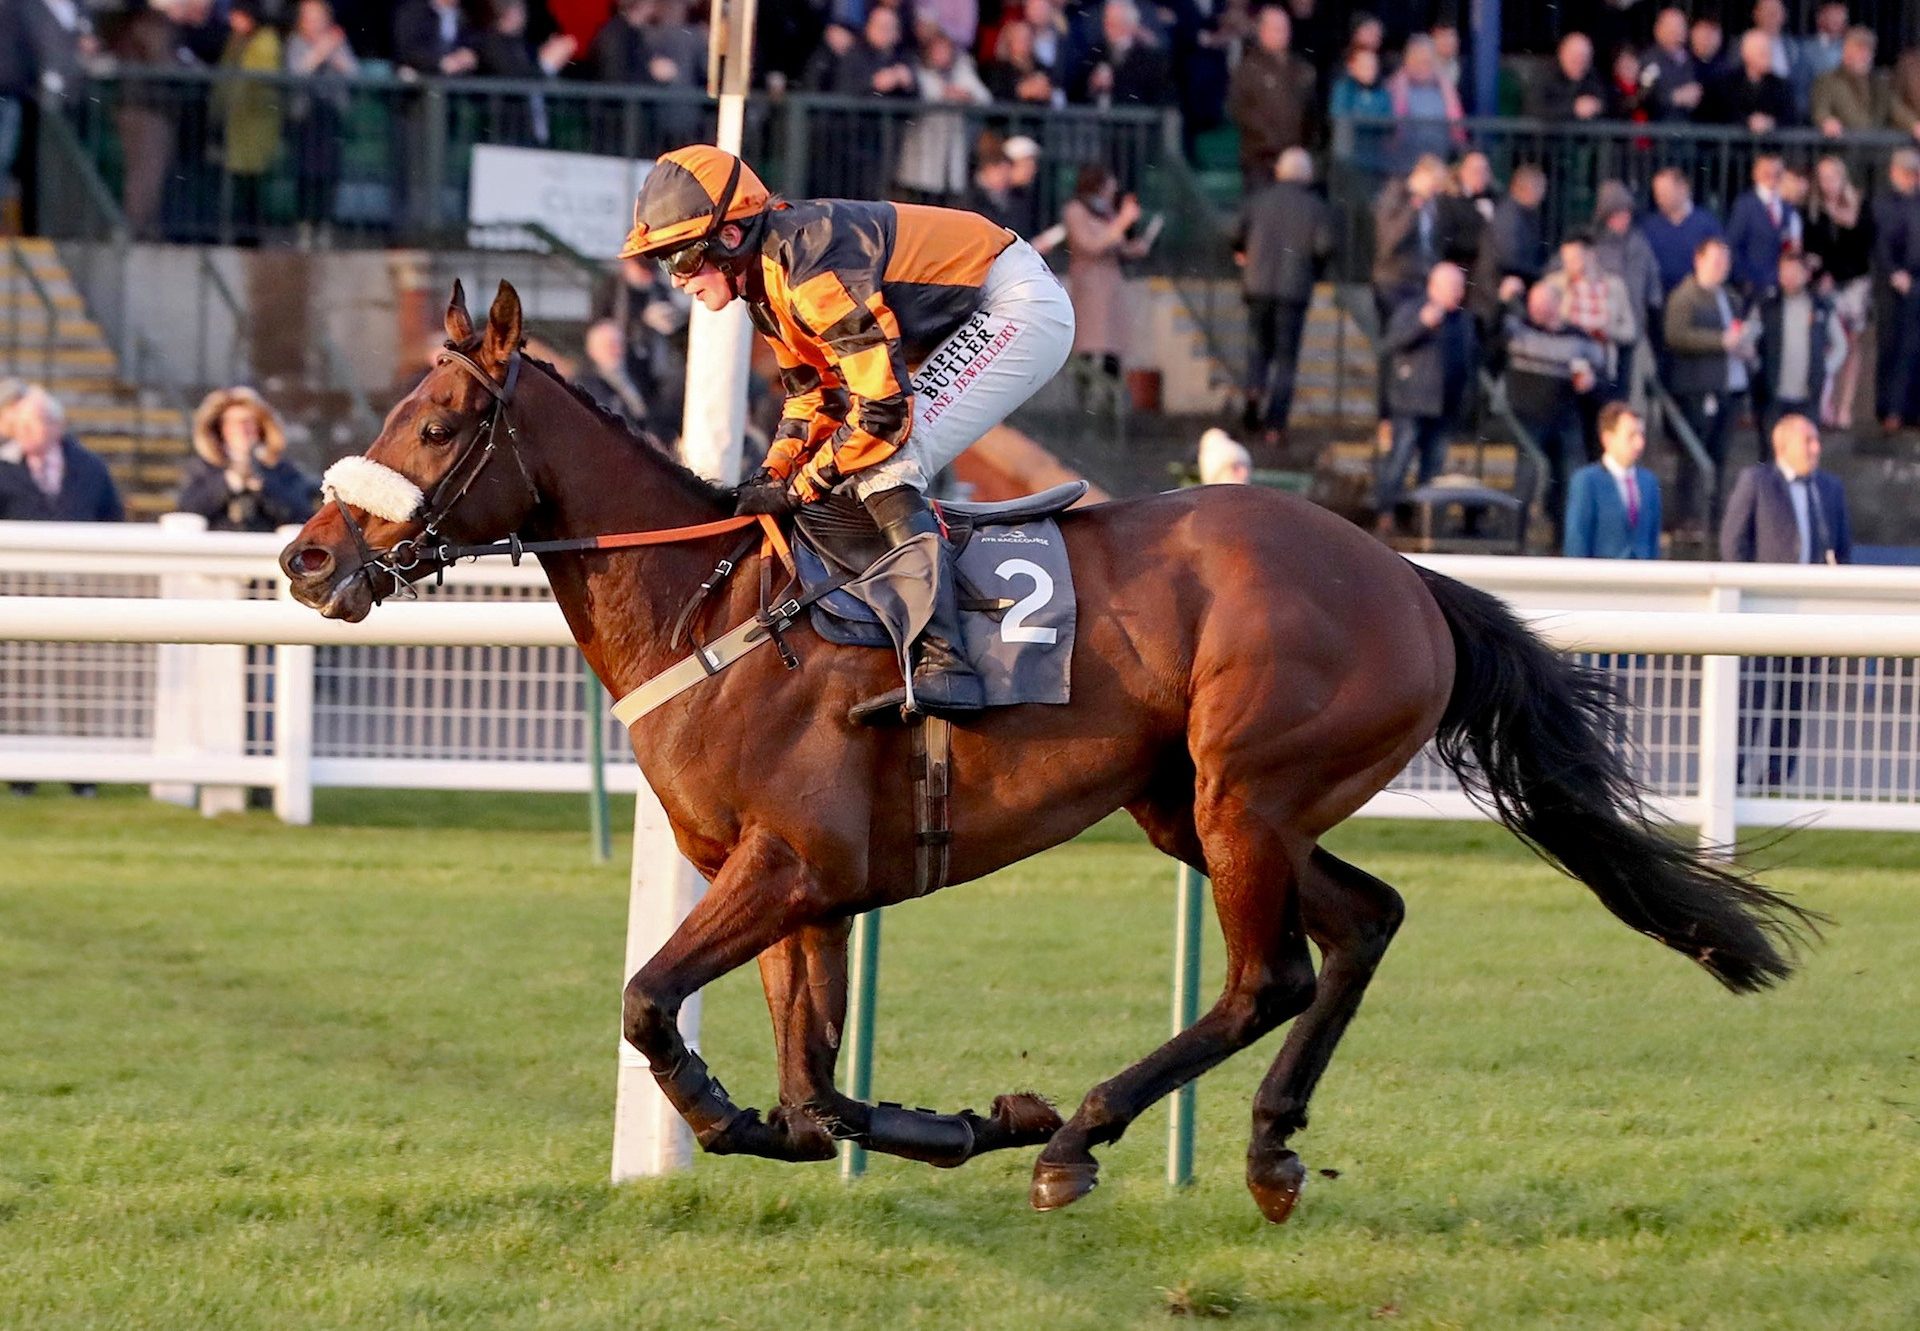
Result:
pixel 406 555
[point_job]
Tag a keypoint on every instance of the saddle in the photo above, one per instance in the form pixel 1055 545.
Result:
pixel 839 529
pixel 854 595
pixel 1008 564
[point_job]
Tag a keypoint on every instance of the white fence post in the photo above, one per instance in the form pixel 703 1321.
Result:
pixel 176 730
pixel 649 1136
pixel 292 721
pixel 1719 733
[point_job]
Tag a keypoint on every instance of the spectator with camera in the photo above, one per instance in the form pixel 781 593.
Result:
pixel 239 478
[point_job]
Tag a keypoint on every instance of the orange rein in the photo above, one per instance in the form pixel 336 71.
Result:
pixel 774 540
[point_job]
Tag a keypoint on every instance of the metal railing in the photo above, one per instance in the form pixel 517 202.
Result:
pixel 394 162
pixel 1578 156
pixel 215 296
pixel 24 283
pixel 1530 464
pixel 1668 417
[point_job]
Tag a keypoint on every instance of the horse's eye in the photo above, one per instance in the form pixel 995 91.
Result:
pixel 435 433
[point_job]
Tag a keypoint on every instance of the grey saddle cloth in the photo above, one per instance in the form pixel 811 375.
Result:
pixel 1015 584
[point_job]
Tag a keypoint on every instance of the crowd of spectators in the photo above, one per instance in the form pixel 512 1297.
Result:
pixel 1743 322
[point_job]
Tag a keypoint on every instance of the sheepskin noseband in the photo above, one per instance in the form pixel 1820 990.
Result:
pixel 374 488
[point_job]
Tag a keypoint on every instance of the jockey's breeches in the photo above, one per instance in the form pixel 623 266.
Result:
pixel 1016 341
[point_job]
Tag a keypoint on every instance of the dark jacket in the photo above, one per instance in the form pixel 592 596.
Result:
pixel 416 37
pixel 852 74
pixel 1843 253
pixel 1540 369
pixel 1697 360
pixel 1432 370
pixel 1896 233
pixel 87 492
pixel 1286 232
pixel 1673 243
pixel 1401 260
pixel 286 496
pixel 1733 99
pixel 1662 74
pixel 1597 526
pixel 1273 101
pixel 619 53
pixel 1140 78
pixel 1518 242
pixel 1552 95
pixel 1759 526
pixel 1773 342
pixel 1757 243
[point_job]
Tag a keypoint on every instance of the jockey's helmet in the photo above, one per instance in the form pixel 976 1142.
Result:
pixel 686 198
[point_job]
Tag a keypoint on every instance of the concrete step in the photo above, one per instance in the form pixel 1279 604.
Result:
pixel 28 333
pixel 31 359
pixel 127 419
pixel 112 445
pixel 1497 465
pixel 27 302
pixel 147 505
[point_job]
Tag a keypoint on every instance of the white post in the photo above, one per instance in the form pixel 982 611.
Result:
pixel 648 1135
pixel 1719 733
pixel 200 692
pixel 293 722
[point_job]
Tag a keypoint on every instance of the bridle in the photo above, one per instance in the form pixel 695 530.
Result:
pixel 410 553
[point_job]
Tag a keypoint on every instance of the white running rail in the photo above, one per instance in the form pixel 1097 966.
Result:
pixel 1759 694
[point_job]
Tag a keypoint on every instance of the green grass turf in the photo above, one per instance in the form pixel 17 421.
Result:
pixel 360 1075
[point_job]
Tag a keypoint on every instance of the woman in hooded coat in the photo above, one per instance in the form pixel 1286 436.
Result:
pixel 239 478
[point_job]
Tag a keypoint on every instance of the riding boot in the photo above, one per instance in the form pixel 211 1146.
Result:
pixel 943 680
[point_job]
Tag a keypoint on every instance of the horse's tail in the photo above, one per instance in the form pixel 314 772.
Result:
pixel 1527 734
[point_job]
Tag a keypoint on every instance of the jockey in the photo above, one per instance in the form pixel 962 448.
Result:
pixel 903 334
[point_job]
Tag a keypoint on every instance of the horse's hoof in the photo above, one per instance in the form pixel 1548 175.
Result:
pixel 804 1138
pixel 1275 1182
pixel 1055 1186
pixel 1025 1119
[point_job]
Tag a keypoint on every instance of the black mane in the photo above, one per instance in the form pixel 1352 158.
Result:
pixel 720 496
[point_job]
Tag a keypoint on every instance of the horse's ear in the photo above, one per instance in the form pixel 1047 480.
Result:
pixel 459 322
pixel 503 325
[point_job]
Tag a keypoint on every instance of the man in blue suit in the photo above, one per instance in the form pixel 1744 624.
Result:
pixel 1762 227
pixel 1783 512
pixel 1613 505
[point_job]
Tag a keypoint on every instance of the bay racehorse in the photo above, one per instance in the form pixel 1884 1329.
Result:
pixel 1248 670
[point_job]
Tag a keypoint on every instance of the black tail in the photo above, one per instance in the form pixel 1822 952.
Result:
pixel 1526 733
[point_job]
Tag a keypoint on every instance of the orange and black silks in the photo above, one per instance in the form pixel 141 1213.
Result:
pixel 850 296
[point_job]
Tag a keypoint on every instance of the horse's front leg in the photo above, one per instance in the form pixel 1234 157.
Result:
pixel 805 976
pixel 762 894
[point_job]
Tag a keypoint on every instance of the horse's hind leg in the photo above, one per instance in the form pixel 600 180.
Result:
pixel 1269 980
pixel 807 1001
pixel 806 982
pixel 1351 916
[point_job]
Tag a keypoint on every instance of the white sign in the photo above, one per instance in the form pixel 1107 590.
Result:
pixel 585 200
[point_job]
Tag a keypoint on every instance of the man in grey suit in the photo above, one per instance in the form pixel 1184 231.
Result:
pixel 1783 512
pixel 1281 242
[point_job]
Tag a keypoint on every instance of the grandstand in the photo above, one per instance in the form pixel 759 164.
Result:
pixel 135 299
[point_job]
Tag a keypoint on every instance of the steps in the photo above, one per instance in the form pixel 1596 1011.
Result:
pixel 144 441
pixel 1334 383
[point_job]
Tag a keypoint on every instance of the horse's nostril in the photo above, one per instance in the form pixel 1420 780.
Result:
pixel 312 562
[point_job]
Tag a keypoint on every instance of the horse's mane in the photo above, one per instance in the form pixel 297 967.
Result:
pixel 720 496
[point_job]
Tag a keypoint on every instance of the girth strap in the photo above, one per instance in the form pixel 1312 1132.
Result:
pixel 710 660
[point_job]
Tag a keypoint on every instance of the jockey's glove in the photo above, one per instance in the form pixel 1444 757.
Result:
pixel 759 495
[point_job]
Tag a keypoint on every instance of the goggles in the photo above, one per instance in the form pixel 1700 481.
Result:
pixel 686 261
